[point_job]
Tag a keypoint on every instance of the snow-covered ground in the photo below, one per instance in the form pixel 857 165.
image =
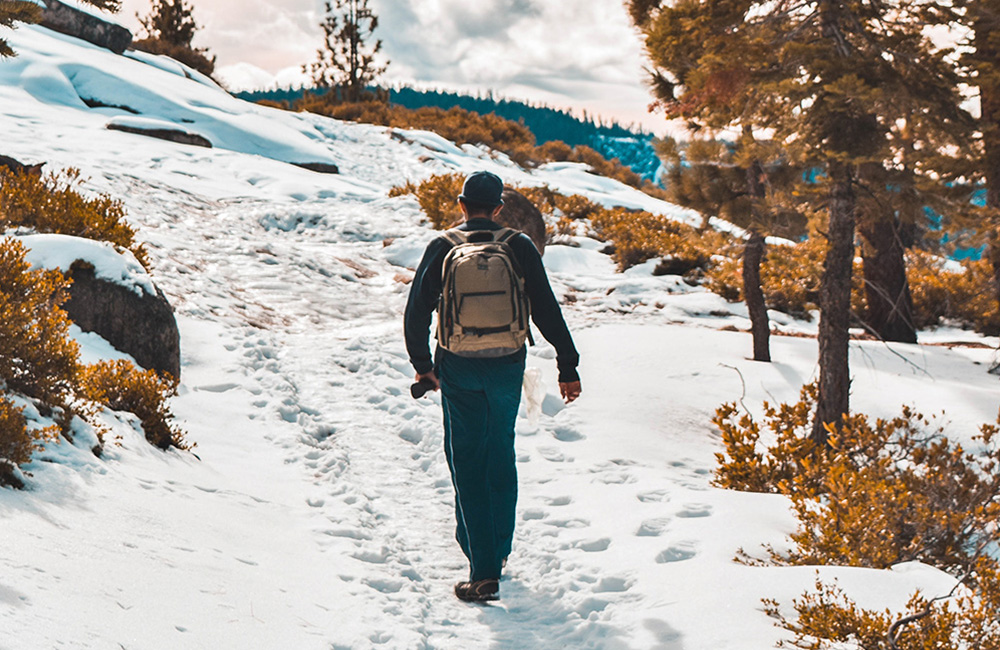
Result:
pixel 317 511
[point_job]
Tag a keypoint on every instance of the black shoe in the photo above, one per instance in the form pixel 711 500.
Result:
pixel 479 591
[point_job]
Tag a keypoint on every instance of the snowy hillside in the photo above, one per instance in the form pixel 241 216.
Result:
pixel 318 512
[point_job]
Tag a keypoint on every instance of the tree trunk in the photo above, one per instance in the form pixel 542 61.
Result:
pixel 835 306
pixel 753 255
pixel 760 327
pixel 989 98
pixel 890 306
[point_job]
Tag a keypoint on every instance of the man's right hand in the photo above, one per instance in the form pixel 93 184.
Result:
pixel 430 379
pixel 570 390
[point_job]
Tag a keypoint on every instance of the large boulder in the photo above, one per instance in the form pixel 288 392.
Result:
pixel 134 322
pixel 520 213
pixel 17 167
pixel 71 21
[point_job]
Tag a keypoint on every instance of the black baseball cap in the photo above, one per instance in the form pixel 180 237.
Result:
pixel 482 188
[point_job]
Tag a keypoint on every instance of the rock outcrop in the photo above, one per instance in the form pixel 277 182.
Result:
pixel 71 21
pixel 520 213
pixel 6 162
pixel 319 168
pixel 138 324
pixel 173 135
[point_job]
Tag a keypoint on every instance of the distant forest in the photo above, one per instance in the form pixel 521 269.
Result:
pixel 613 140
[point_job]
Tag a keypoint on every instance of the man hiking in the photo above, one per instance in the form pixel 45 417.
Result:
pixel 483 280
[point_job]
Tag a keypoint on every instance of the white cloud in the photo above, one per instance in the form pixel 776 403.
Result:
pixel 568 53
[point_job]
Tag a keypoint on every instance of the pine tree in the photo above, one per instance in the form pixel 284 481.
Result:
pixel 24 11
pixel 982 64
pixel 836 82
pixel 688 83
pixel 170 28
pixel 170 21
pixel 346 65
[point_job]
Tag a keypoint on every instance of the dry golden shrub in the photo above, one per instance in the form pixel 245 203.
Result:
pixel 195 58
pixel 468 127
pixel 940 292
pixel 54 204
pixel 37 356
pixel 17 441
pixel 438 198
pixel 455 124
pixel 790 277
pixel 638 236
pixel 879 493
pixel 120 386
pixel 828 618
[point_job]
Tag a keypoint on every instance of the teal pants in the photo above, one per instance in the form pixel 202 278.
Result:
pixel 480 398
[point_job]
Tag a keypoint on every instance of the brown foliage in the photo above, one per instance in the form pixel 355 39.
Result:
pixel 37 357
pixel 636 236
pixel 877 494
pixel 438 198
pixel 965 297
pixel 120 386
pixel 468 127
pixel 54 204
pixel 970 620
pixel 194 58
pixel 790 278
pixel 639 236
pixel 17 442
pixel 455 124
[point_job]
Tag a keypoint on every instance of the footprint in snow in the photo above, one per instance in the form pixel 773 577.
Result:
pixel 677 553
pixel 613 585
pixel 533 513
pixel 384 585
pixel 594 545
pixel 553 455
pixel 695 510
pixel 567 434
pixel 412 435
pixel 655 496
pixel 591 606
pixel 652 527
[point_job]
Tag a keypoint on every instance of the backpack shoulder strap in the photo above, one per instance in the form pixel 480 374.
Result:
pixel 454 236
pixel 505 234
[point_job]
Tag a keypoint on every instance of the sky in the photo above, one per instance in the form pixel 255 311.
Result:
pixel 564 53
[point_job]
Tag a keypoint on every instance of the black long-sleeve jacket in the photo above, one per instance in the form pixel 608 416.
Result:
pixel 425 292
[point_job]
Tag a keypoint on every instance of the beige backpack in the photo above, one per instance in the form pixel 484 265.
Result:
pixel 484 309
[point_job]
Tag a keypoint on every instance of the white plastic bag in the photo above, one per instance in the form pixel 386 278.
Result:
pixel 534 394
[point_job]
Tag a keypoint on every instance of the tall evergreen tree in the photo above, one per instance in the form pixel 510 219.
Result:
pixel 13 12
pixel 170 21
pixel 170 28
pixel 346 64
pixel 836 82
pixel 982 63
pixel 689 83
